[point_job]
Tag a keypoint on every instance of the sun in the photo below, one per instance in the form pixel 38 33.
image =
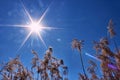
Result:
pixel 35 27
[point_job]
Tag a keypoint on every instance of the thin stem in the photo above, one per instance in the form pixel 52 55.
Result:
pixel 82 64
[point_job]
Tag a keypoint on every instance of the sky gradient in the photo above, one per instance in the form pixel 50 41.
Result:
pixel 82 19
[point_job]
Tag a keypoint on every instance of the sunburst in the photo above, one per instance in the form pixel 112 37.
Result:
pixel 34 26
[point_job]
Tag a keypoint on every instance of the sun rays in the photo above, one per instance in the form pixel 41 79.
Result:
pixel 35 27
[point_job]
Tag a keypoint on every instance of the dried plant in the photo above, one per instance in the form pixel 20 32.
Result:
pixel 47 68
pixel 102 47
pixel 111 28
pixel 104 41
pixel 91 70
pixel 97 46
pixel 112 33
pixel 78 45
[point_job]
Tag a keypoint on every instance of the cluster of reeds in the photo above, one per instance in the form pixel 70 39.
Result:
pixel 48 68
pixel 110 61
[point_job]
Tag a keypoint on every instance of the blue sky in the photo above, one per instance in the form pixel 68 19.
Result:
pixel 81 19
